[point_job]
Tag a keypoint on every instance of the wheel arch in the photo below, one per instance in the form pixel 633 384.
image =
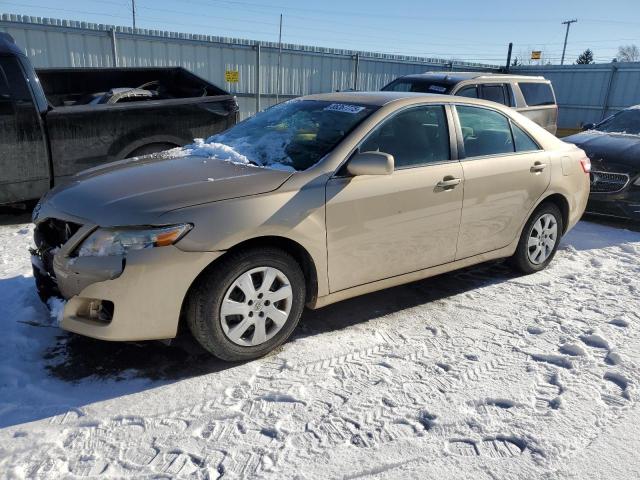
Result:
pixel 299 253
pixel 562 203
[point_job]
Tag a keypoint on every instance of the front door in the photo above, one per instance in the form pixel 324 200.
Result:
pixel 382 226
pixel 505 173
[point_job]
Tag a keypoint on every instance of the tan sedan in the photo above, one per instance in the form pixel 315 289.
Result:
pixel 310 202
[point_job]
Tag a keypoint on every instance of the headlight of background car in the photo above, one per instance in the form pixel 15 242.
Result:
pixel 637 182
pixel 106 241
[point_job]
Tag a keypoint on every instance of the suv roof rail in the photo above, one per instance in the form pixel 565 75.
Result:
pixel 473 75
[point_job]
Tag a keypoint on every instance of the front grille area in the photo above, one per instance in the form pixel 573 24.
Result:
pixel 608 182
pixel 49 236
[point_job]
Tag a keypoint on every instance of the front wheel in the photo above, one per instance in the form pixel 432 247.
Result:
pixel 539 240
pixel 248 304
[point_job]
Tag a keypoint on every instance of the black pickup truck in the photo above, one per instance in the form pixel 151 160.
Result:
pixel 57 122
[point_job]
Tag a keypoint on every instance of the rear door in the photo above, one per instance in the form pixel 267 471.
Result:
pixel 505 173
pixel 382 226
pixel 24 163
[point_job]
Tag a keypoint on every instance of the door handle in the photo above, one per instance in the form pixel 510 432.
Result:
pixel 448 182
pixel 538 167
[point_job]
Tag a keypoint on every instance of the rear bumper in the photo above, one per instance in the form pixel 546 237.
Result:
pixel 137 298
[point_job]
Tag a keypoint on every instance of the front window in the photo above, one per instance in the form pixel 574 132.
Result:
pixel 292 136
pixel 626 121
pixel 417 86
pixel 415 137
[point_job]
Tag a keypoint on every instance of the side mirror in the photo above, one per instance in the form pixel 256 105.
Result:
pixel 588 126
pixel 370 163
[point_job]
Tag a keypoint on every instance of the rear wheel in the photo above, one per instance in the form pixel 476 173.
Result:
pixel 539 240
pixel 248 304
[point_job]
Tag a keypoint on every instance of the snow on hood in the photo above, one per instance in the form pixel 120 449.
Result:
pixel 211 148
pixel 218 151
pixel 601 132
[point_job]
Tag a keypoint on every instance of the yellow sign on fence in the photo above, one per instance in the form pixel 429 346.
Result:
pixel 536 55
pixel 232 76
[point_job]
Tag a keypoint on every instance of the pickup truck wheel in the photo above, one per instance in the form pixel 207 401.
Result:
pixel 539 239
pixel 248 304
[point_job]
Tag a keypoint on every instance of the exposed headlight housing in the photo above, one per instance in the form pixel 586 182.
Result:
pixel 118 241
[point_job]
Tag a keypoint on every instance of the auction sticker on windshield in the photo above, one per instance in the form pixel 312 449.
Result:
pixel 344 108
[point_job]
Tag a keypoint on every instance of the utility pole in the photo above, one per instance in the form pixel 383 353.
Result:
pixel 566 36
pixel 133 12
pixel 508 65
pixel 279 73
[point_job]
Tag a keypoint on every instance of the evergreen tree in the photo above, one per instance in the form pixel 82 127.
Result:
pixel 585 57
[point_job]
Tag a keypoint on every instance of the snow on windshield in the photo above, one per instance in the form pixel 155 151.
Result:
pixel 291 136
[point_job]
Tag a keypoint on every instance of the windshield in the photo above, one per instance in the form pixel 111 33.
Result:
pixel 415 85
pixel 292 136
pixel 627 121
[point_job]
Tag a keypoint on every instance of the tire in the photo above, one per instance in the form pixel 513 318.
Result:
pixel 535 257
pixel 223 290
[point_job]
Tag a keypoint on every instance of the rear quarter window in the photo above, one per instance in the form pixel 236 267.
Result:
pixel 537 93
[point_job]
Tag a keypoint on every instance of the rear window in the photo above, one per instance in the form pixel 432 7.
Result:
pixel 469 92
pixel 419 86
pixel 494 93
pixel 537 94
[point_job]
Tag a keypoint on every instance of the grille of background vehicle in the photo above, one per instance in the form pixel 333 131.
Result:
pixel 607 182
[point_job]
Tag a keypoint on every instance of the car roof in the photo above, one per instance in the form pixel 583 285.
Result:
pixel 457 77
pixel 380 98
pixel 8 45
pixel 372 98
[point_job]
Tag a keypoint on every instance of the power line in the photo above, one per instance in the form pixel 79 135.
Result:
pixel 340 39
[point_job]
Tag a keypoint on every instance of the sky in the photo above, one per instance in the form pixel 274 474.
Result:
pixel 469 30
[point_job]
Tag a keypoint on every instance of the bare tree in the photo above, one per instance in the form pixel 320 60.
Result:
pixel 628 53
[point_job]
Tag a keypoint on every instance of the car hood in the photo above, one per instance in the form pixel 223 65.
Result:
pixel 138 191
pixel 609 151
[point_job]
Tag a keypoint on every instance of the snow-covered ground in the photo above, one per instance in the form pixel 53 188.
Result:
pixel 477 374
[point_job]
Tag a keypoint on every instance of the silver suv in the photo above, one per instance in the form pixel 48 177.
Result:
pixel 531 96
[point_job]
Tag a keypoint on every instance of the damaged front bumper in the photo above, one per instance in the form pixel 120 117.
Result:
pixel 137 297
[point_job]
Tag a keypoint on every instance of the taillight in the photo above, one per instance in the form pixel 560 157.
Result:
pixel 586 164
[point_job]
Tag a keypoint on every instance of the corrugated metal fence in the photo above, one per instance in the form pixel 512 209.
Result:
pixel 304 70
pixel 585 93
pixel 589 93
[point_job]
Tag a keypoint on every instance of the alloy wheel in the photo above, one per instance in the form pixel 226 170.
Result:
pixel 542 239
pixel 256 306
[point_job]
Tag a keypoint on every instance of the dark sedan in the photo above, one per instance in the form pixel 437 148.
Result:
pixel 613 146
